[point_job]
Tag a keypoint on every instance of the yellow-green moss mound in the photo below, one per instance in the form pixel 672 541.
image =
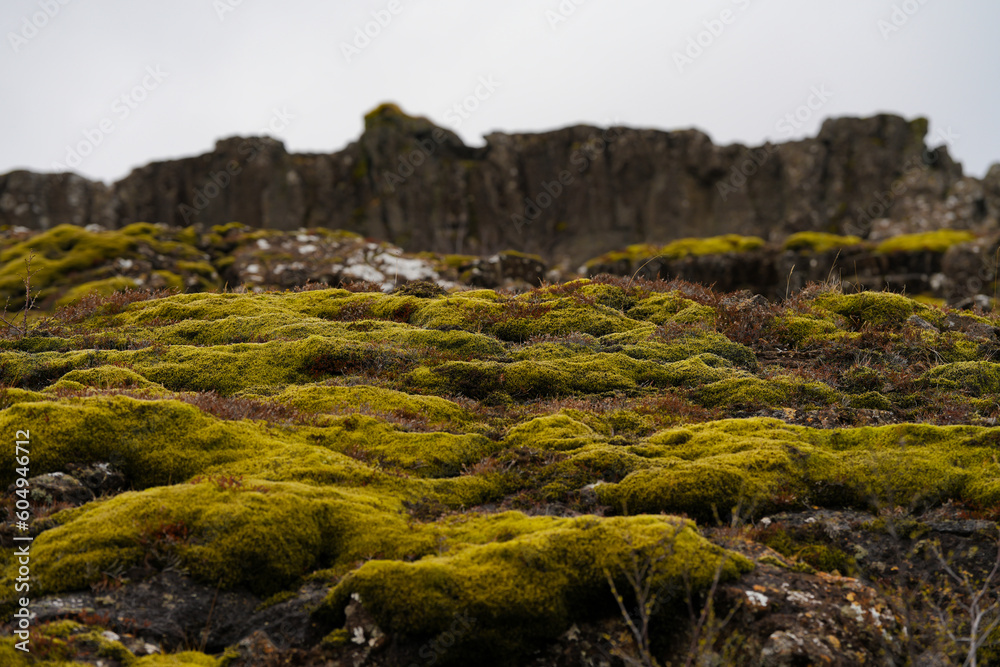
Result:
pixel 532 579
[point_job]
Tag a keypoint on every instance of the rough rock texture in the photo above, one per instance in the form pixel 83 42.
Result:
pixel 42 201
pixel 566 195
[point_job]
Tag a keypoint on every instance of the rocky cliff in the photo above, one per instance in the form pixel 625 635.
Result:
pixel 567 195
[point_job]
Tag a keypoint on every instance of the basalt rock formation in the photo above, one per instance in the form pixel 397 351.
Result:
pixel 566 195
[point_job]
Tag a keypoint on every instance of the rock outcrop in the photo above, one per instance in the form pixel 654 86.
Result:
pixel 566 195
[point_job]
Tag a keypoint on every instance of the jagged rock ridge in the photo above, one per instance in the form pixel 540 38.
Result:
pixel 566 195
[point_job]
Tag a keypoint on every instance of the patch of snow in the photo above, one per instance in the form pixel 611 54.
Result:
pixel 359 635
pixel 253 268
pixel 306 249
pixel 306 238
pixel 409 269
pixel 263 244
pixel 364 272
pixel 757 599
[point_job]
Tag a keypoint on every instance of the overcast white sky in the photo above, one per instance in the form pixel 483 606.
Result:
pixel 225 67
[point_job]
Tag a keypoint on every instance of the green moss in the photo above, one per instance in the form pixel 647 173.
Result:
pixel 528 588
pixel 59 253
pixel 339 637
pixel 107 377
pixel 936 241
pixel 102 287
pixel 543 372
pixel 263 540
pixel 660 307
pixel 183 659
pixel 684 346
pixel 140 437
pixel 976 378
pixel 715 245
pixel 425 454
pixel 817 242
pixel 558 432
pixel 800 330
pixel 381 401
pixel 751 462
pixel 880 309
pixel 751 392
pixel 871 400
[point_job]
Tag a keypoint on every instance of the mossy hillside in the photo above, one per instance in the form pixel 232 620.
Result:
pixel 263 535
pixel 320 399
pixel 361 431
pixel 69 261
pixel 228 369
pixel 519 318
pixel 61 251
pixel 425 454
pixel 139 437
pixel 748 463
pixel 168 442
pixel 529 587
pixel 542 371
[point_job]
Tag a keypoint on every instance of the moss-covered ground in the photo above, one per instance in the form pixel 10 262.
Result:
pixel 482 453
